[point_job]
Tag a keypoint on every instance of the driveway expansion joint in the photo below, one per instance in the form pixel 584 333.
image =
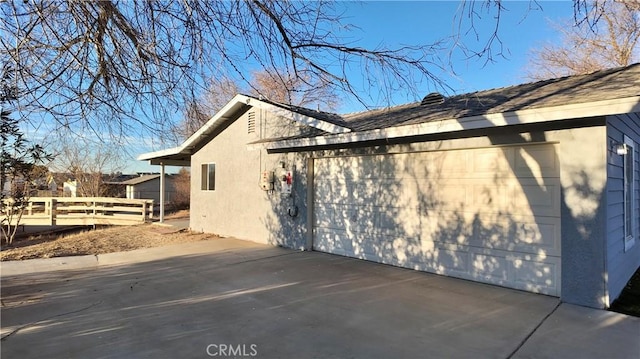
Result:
pixel 526 338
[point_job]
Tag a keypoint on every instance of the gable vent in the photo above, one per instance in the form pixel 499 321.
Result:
pixel 251 122
pixel 433 98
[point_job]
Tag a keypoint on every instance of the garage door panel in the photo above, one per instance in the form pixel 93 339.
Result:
pixel 526 234
pixel 346 191
pixel 449 261
pixel 367 219
pixel 416 167
pixel 346 217
pixel 462 213
pixel 542 199
pixel 450 195
pixel 448 163
pixel 487 197
pixel 493 266
pixel 490 268
pixel 348 168
pixel 537 275
pixel 537 161
pixel 324 190
pixel 515 233
pixel 537 235
pixel 493 161
pixel 329 240
pixel 323 215
pixel 402 192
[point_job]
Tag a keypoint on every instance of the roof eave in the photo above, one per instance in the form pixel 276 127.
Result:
pixel 176 156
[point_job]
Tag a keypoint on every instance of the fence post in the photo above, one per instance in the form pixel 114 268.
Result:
pixel 53 203
pixel 144 211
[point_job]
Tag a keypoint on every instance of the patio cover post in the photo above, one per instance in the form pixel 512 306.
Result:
pixel 161 192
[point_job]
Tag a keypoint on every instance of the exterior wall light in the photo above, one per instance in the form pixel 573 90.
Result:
pixel 621 149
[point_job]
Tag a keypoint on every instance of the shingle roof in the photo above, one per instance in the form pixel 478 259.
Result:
pixel 597 86
pixel 140 179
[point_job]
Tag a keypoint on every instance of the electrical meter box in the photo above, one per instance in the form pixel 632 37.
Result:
pixel 266 181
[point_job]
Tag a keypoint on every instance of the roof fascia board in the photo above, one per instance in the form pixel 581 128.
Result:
pixel 300 118
pixel 157 154
pixel 233 105
pixel 538 115
pixel 221 115
pixel 197 136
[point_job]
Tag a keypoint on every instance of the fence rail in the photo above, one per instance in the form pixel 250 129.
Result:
pixel 84 211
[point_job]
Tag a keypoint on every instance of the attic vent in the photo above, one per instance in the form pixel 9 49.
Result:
pixel 251 122
pixel 433 98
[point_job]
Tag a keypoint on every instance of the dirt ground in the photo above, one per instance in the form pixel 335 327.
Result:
pixel 98 241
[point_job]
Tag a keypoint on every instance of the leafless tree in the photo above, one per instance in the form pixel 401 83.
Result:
pixel 196 114
pixel 101 58
pixel 90 164
pixel 279 88
pixel 182 185
pixel 588 47
pixel 122 66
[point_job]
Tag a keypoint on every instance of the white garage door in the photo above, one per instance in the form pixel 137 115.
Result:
pixel 490 215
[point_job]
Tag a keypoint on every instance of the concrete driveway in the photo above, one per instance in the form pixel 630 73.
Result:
pixel 230 298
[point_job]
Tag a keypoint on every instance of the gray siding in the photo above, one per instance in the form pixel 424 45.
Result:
pixel 151 190
pixel 620 264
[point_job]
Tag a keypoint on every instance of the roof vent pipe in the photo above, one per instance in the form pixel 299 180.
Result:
pixel 433 98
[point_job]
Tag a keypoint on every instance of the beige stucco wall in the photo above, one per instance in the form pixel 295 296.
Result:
pixel 238 207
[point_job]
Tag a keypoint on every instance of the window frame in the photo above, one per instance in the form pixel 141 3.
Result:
pixel 208 177
pixel 629 201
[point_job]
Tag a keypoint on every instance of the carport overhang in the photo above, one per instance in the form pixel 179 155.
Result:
pixel 176 156
pixel 168 157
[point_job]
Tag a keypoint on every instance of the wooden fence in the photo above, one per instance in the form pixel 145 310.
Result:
pixel 83 211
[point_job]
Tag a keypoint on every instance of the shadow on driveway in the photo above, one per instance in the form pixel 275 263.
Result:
pixel 271 302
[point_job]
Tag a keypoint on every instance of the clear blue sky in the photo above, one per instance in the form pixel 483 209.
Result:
pixel 523 26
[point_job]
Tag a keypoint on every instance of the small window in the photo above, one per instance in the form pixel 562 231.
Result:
pixel 208 177
pixel 629 193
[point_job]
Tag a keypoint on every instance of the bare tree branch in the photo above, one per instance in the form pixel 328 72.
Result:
pixel 589 46
pixel 116 67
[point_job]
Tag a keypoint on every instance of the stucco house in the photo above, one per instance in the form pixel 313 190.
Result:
pixel 534 187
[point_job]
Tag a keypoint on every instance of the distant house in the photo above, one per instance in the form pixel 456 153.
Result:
pixel 114 185
pixel 533 187
pixel 39 187
pixel 9 183
pixel 148 187
pixel 70 188
pixel 46 187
